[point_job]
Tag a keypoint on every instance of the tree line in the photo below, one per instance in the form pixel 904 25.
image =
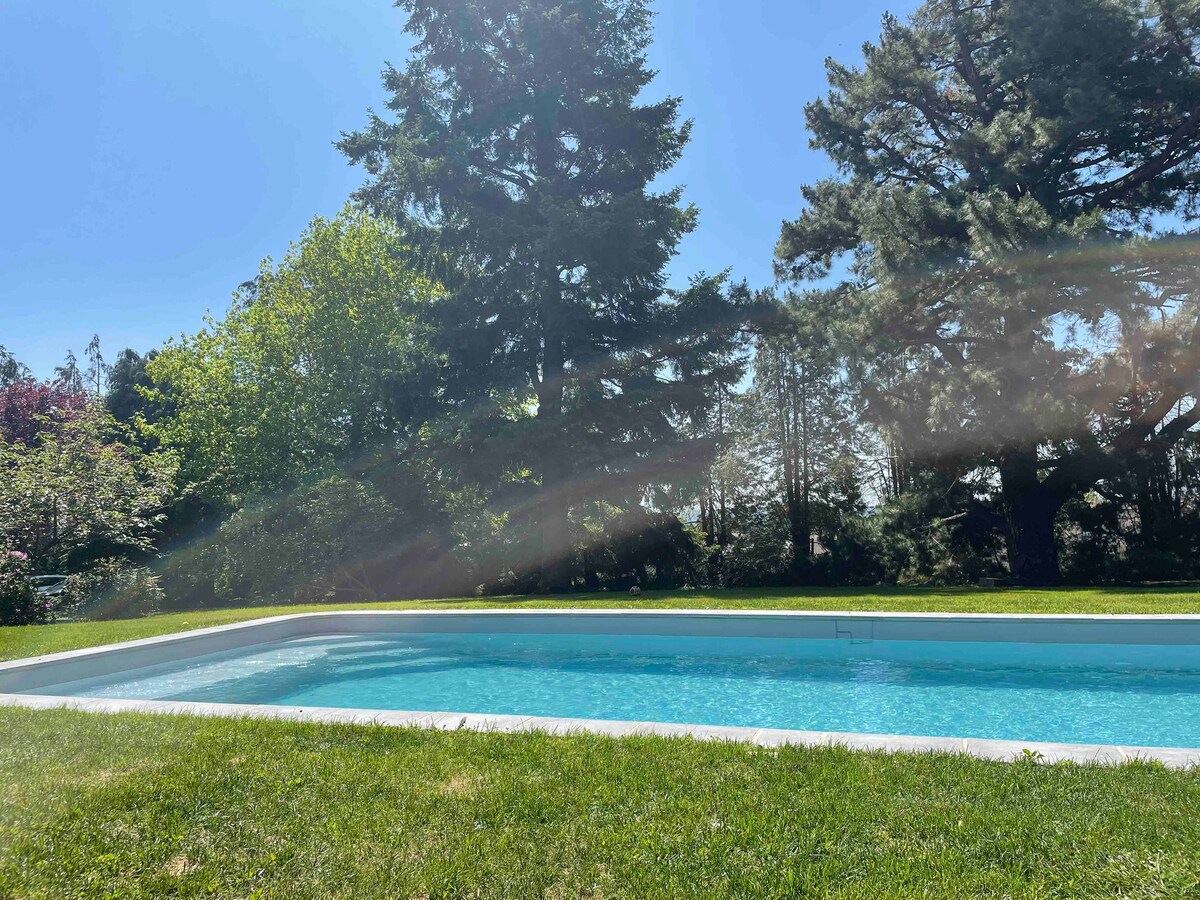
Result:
pixel 981 357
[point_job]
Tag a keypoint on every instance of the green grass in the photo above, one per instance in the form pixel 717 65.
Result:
pixel 137 806
pixel 36 640
pixel 148 806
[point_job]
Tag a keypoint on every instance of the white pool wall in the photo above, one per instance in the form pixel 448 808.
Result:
pixel 35 672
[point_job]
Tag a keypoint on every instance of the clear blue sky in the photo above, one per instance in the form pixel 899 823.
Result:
pixel 154 152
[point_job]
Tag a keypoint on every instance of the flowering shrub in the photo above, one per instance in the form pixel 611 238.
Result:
pixel 19 602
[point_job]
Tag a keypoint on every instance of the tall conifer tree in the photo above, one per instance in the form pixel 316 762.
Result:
pixel 518 159
pixel 1011 178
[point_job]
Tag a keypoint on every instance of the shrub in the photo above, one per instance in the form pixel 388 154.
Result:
pixel 113 589
pixel 19 602
pixel 1148 564
pixel 312 544
pixel 79 488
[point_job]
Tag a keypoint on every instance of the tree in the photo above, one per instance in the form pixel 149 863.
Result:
pixel 715 372
pixel 96 376
pixel 68 376
pixel 131 393
pixel 802 426
pixel 1008 176
pixel 323 358
pixel 77 487
pixel 28 408
pixel 11 369
pixel 519 163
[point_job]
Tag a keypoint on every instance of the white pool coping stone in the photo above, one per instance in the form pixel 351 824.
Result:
pixel 51 669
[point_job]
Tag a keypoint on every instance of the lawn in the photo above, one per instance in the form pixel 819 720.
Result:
pixel 128 806
pixel 148 806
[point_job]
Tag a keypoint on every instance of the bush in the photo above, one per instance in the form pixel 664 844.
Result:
pixel 1148 564
pixel 19 602
pixel 113 589
pixel 313 544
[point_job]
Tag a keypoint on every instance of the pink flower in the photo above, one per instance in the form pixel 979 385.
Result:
pixel 17 554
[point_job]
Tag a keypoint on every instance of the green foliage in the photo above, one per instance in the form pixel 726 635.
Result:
pixel 321 358
pixel 520 163
pixel 621 548
pixel 79 488
pixel 757 550
pixel 131 395
pixel 12 370
pixel 1016 298
pixel 19 603
pixel 289 548
pixel 335 539
pixel 484 384
pixel 799 430
pixel 112 588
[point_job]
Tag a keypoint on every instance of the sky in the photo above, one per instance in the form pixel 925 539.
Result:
pixel 154 152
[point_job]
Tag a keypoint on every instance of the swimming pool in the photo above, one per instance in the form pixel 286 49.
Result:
pixel 931 681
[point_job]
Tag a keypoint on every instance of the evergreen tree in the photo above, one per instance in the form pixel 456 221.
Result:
pixel 96 377
pixel 131 392
pixel 519 151
pixel 67 376
pixel 1008 175
pixel 714 373
pixel 12 370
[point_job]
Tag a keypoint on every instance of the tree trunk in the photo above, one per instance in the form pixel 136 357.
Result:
pixel 1029 512
pixel 790 462
pixel 1154 498
pixel 555 564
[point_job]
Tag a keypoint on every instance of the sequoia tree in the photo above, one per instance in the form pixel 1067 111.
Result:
pixel 1000 225
pixel 518 159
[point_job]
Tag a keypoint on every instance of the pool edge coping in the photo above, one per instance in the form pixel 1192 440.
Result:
pixel 994 749
pixel 990 749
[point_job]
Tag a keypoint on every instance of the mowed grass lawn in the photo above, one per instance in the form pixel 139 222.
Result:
pixel 148 806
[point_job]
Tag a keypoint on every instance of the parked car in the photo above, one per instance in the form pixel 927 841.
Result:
pixel 49 585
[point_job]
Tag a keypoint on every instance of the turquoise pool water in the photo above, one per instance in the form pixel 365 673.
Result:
pixel 1079 693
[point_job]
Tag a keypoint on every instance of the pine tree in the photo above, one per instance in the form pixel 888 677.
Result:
pixel 1009 172
pixel 518 161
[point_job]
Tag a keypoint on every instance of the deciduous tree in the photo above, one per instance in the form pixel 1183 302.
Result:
pixel 320 359
pixel 77 486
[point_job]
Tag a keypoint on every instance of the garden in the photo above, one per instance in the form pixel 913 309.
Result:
pixel 967 382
